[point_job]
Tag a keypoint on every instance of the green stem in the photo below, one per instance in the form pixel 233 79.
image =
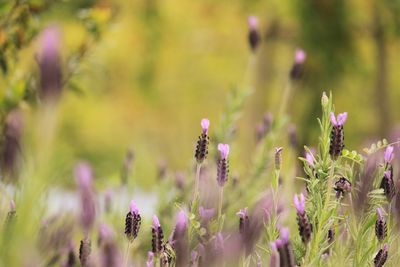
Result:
pixel 221 195
pixel 127 254
pixel 196 183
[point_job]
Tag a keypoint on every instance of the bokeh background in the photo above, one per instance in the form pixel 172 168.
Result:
pixel 142 74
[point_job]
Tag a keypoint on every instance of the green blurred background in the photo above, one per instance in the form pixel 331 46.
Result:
pixel 153 68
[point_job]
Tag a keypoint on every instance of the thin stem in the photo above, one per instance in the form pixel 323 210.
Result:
pixel 127 254
pixel 221 195
pixel 196 182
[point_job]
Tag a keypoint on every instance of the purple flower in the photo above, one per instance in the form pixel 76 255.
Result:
pixel 224 150
pixel 299 204
pixel 340 120
pixel 284 235
pixel 205 124
pixel 389 155
pixel 156 222
pixel 105 232
pixel 300 56
pixel 242 213
pixel 379 213
pixel 133 208
pixel 252 21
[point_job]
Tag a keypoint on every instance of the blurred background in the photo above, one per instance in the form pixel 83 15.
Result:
pixel 140 75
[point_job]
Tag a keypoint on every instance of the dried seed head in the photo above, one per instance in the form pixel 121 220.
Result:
pixel 337 134
pixel 381 256
pixel 254 36
pixel 84 252
pixel 380 226
pixel 157 240
pixel 202 143
pixel 132 222
pixel 278 158
pixel 223 165
pixel 387 184
pixel 342 187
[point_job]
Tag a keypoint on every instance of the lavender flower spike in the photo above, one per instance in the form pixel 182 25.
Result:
pixel 389 155
pixel 286 257
pixel 274 258
pixel 244 222
pixel 202 143
pixel 157 240
pixel 380 226
pixel 223 166
pixel 381 256
pixel 299 204
pixel 254 36
pixel 132 222
pixel 337 134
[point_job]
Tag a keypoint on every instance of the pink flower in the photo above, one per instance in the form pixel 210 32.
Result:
pixel 340 120
pixel 299 204
pixel 205 124
pixel 310 158
pixel 224 150
pixel 181 220
pixel 284 235
pixel 243 213
pixel 300 56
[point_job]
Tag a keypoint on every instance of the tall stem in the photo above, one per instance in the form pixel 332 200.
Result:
pixel 127 254
pixel 221 195
pixel 196 182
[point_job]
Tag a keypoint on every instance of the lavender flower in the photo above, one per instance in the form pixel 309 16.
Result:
pixel 206 215
pixel 381 256
pixel 83 174
pixel 303 222
pixel 49 61
pixel 157 240
pixel 254 36
pixel 244 222
pixel 110 256
pixel 387 184
pixel 84 252
pixel 223 166
pixel 337 134
pixel 202 143
pixel 264 127
pixel 286 257
pixel 380 226
pixel 297 69
pixel 132 222
pixel 70 260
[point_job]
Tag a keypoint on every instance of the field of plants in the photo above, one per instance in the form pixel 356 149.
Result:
pixel 199 133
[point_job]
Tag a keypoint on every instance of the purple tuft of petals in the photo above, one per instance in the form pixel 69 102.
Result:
pixel 340 120
pixel 205 124
pixel 389 154
pixel 133 208
pixel 299 204
pixel 156 222
pixel 224 150
pixel 388 174
pixel 252 21
pixel 284 235
pixel 242 213
pixel 379 212
pixel 83 174
pixel 300 56
pixel 310 159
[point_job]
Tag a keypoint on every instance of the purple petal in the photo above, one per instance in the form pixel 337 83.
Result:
pixel 205 124
pixel 252 22
pixel 133 208
pixel 389 154
pixel 300 56
pixel 224 150
pixel 333 119
pixel 156 222
pixel 341 118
